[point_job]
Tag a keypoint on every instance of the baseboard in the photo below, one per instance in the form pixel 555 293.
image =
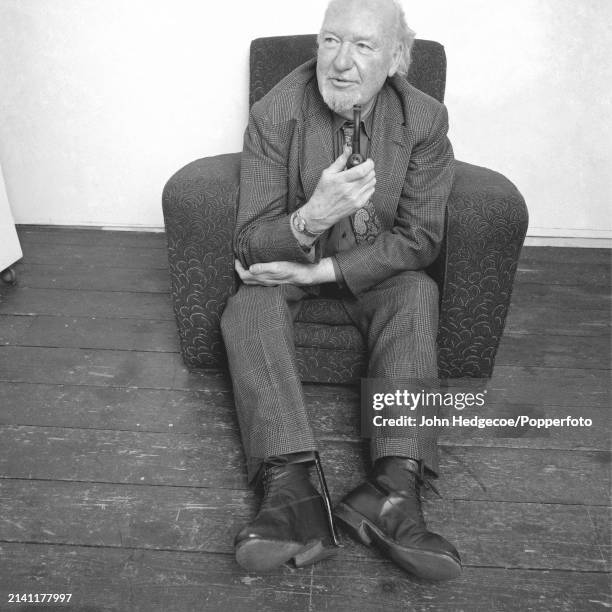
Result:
pixel 132 228
pixel 603 242
pixel 564 241
pixel 151 229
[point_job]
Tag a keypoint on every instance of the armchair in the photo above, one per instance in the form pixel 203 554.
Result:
pixel 486 222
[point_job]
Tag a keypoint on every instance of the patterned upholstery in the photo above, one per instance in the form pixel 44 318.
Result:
pixel 485 227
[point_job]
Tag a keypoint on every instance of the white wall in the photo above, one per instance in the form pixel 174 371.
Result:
pixel 101 101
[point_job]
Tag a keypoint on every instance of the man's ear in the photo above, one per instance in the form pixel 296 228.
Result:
pixel 395 59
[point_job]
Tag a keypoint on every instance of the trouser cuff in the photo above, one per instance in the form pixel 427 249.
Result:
pixel 255 464
pixel 427 452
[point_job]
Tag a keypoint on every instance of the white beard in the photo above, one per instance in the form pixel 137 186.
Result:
pixel 339 101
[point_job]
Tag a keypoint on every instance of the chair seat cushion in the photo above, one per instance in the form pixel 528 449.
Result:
pixel 337 337
pixel 329 348
pixel 326 311
pixel 324 323
pixel 329 365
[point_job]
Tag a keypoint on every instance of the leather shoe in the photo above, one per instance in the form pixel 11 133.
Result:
pixel 291 522
pixel 386 511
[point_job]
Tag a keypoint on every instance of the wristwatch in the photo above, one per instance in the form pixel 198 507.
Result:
pixel 299 225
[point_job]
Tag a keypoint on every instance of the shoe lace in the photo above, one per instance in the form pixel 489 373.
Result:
pixel 423 481
pixel 417 499
pixel 276 482
pixel 270 481
pixel 419 481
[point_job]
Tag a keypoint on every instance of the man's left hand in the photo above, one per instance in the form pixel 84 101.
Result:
pixel 286 272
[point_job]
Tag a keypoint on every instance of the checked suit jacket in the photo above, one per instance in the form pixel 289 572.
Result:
pixel 289 139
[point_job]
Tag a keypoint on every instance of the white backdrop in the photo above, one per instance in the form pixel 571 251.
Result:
pixel 101 101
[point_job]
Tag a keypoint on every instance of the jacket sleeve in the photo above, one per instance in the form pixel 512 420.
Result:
pixel 263 232
pixel 418 229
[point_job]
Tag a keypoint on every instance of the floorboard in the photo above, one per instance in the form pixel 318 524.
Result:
pixel 160 336
pixel 562 255
pixel 334 417
pixel 115 580
pixel 213 458
pixel 122 475
pixel 566 297
pixel 108 304
pixel 543 536
pixel 567 387
pixel 89 333
pixel 111 256
pixel 588 352
pixel 93 278
pixel 556 322
pixel 547 272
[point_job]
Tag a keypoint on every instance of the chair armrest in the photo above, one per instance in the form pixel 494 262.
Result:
pixel 486 224
pixel 199 204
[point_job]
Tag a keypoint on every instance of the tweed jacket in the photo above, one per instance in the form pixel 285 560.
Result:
pixel 289 139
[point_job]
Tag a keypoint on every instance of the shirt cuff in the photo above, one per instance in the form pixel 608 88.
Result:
pixel 309 251
pixel 338 273
pixel 306 243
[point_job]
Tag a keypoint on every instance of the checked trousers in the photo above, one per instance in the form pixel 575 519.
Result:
pixel 398 319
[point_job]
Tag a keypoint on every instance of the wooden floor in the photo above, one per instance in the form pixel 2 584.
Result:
pixel 122 473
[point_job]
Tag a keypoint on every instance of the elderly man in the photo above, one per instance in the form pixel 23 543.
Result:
pixel 308 226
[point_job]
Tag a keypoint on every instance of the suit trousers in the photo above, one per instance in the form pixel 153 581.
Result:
pixel 398 319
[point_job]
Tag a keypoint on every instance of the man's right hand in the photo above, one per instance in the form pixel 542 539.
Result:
pixel 339 193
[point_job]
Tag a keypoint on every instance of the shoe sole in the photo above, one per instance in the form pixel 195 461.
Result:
pixel 259 555
pixel 421 563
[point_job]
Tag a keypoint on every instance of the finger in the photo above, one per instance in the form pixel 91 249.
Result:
pixel 359 172
pixel 369 178
pixel 263 268
pixel 369 185
pixel 366 188
pixel 242 273
pixel 365 196
pixel 364 180
pixel 262 282
pixel 339 163
pixel 252 279
pixel 361 188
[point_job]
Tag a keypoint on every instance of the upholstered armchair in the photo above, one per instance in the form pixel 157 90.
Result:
pixel 486 223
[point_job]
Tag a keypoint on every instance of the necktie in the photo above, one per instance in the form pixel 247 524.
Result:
pixel 365 222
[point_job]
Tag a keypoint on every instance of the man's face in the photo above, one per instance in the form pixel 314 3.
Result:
pixel 357 51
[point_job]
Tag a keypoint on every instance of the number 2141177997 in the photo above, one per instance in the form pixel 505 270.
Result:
pixel 39 597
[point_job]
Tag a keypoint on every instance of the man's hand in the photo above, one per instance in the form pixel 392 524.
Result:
pixel 339 193
pixel 286 272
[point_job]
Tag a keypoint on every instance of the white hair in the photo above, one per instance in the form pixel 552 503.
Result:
pixel 404 36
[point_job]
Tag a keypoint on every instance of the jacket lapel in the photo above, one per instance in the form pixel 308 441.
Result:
pixel 317 148
pixel 390 151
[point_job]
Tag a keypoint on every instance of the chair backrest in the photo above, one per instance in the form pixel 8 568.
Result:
pixel 275 57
